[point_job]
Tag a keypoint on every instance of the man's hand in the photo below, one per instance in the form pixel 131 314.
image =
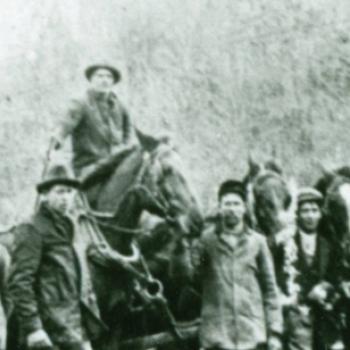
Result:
pixel 319 293
pixel 39 339
pixel 274 343
pixel 288 300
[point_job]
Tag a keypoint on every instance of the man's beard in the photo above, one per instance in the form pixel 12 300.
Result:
pixel 230 220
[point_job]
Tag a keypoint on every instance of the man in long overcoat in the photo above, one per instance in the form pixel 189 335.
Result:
pixel 240 306
pixel 51 306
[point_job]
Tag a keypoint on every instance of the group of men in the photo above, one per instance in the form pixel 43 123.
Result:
pixel 51 308
pixel 247 302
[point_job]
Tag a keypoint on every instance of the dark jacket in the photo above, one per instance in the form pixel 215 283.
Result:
pixel 45 281
pixel 293 267
pixel 97 122
pixel 240 306
pixel 307 324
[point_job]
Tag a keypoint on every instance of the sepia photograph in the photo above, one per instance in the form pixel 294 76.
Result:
pixel 175 175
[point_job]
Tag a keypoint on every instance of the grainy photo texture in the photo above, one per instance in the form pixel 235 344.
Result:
pixel 175 175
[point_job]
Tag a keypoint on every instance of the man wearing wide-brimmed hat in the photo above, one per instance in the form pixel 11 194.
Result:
pixel 104 141
pixel 51 307
pixel 98 122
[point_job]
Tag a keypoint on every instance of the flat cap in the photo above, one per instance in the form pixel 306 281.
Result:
pixel 232 186
pixel 309 194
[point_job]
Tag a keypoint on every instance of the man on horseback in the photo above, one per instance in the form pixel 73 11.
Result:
pixel 99 124
pixel 54 302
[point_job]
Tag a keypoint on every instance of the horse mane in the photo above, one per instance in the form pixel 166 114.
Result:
pixel 324 182
pixel 163 159
pixel 273 167
pixel 253 190
pixel 270 175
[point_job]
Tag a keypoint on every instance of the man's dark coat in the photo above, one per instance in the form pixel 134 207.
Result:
pixel 97 122
pixel 45 282
pixel 298 274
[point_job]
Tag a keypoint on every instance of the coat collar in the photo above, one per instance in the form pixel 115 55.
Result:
pixel 62 224
pixel 94 95
pixel 225 238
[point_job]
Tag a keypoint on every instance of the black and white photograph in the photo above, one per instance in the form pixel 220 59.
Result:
pixel 175 175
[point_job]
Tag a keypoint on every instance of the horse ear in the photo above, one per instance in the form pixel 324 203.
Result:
pixel 327 176
pixel 274 166
pixel 326 172
pixel 253 165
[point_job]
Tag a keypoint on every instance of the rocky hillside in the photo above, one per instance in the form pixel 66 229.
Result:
pixel 225 78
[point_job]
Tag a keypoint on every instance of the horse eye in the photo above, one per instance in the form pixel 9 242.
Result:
pixel 269 205
pixel 168 171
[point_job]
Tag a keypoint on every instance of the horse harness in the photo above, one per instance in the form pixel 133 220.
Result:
pixel 147 288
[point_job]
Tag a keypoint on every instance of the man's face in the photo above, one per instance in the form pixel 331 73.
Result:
pixel 102 80
pixel 309 215
pixel 232 208
pixel 60 198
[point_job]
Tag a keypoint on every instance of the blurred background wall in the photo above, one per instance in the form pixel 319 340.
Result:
pixel 225 78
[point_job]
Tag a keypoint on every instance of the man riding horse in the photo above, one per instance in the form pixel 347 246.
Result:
pixel 101 129
pixel 123 173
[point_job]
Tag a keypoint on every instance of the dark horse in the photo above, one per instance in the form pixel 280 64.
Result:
pixel 269 198
pixel 335 186
pixel 156 184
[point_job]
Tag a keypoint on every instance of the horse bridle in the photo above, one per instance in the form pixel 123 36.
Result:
pixel 157 198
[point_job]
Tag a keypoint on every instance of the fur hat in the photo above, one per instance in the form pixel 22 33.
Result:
pixel 309 194
pixel 232 186
pixel 90 70
pixel 57 175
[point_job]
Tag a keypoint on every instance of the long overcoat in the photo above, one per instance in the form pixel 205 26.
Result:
pixel 45 283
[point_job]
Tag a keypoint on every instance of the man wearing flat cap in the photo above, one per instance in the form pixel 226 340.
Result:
pixel 304 273
pixel 51 307
pixel 99 124
pixel 240 308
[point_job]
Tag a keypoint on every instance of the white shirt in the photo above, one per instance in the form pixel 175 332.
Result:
pixel 308 243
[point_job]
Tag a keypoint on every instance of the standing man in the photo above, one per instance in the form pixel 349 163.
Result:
pixel 303 277
pixel 240 307
pixel 51 306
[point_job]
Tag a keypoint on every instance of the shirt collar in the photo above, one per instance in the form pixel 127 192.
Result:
pixel 304 234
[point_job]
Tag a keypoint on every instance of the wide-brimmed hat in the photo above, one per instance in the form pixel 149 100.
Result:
pixel 232 186
pixel 90 70
pixel 309 194
pixel 58 175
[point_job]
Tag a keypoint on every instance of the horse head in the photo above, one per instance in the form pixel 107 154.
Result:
pixel 166 182
pixel 269 197
pixel 335 187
